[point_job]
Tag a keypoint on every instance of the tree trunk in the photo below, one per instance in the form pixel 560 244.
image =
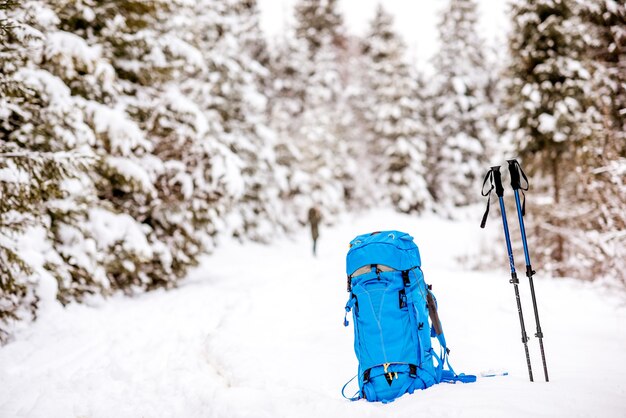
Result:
pixel 558 253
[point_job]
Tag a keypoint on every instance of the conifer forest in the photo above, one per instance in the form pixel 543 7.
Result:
pixel 136 134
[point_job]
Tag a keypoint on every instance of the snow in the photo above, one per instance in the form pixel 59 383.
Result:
pixel 182 50
pixel 131 171
pixel 190 111
pixel 50 87
pixel 44 16
pixel 547 123
pixel 71 53
pixel 121 135
pixel 13 174
pixel 256 331
pixel 35 248
pixel 459 87
pixel 112 228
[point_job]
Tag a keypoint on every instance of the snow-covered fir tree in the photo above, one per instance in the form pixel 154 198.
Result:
pixel 178 137
pixel 358 178
pixel 461 112
pixel 37 123
pixel 310 113
pixel 392 112
pixel 245 24
pixel 235 81
pixel 324 153
pixel 551 116
pixel 606 44
pixel 77 79
pixel 171 200
pixel 319 21
pixel 289 67
pixel 323 137
pixel 593 229
pixel 111 238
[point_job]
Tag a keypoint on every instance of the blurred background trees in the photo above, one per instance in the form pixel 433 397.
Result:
pixel 134 134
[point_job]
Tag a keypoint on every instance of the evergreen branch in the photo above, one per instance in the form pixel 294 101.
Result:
pixel 51 155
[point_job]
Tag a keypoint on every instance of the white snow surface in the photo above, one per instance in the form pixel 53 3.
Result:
pixel 257 331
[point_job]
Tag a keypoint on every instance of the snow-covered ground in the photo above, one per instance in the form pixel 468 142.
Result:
pixel 257 332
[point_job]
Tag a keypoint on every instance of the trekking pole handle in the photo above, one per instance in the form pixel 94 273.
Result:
pixel 497 180
pixel 515 170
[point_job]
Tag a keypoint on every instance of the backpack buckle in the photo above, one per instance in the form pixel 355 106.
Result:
pixel 405 278
pixel 412 370
pixel 366 376
pixel 402 299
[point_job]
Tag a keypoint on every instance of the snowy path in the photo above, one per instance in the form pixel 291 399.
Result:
pixel 257 332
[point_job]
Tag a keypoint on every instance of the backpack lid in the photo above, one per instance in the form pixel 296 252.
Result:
pixel 395 249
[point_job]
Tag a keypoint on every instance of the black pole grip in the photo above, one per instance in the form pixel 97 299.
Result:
pixel 514 172
pixel 497 180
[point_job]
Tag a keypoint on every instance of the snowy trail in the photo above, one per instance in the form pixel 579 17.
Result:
pixel 257 332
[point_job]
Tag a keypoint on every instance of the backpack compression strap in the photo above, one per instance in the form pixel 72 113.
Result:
pixel 443 375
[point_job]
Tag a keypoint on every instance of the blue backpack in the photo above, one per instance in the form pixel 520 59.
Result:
pixel 391 305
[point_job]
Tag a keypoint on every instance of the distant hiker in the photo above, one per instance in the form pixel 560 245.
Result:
pixel 315 216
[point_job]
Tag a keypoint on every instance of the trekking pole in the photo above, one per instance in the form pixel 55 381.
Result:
pixel 496 181
pixel 515 170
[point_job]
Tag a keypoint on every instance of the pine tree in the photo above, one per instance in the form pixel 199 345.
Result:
pixel 310 113
pixel 458 143
pixel 143 186
pixel 355 174
pixel 246 27
pixel 32 175
pixel 393 117
pixel 98 245
pixel 594 229
pixel 606 44
pixel 290 68
pixel 365 188
pixel 323 152
pixel 318 21
pixel 551 114
pixel 238 98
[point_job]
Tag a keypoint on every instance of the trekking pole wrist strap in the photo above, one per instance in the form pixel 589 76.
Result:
pixel 495 180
